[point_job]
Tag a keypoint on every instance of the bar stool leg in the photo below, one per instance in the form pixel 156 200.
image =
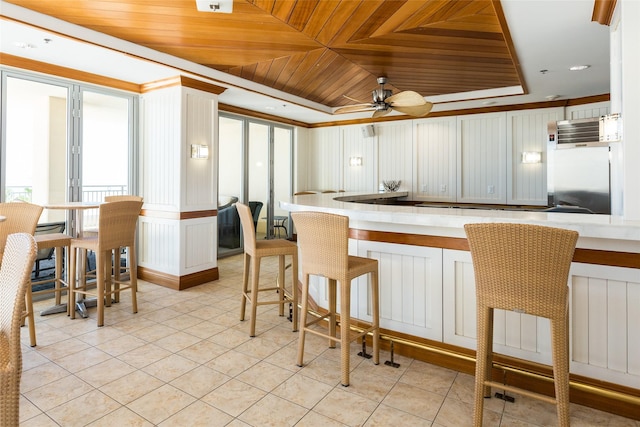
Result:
pixel 345 321
pixel 375 306
pixel 245 285
pixel 255 275
pixel 281 285
pixel 294 290
pixel 560 351
pixel 303 318
pixel 332 284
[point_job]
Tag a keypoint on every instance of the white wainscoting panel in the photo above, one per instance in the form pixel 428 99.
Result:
pixel 587 111
pixel 160 149
pixel 514 334
pixel 354 144
pixel 325 159
pixel 482 158
pixel 605 319
pixel 200 111
pixel 395 151
pixel 527 131
pixel 435 159
pixel 410 287
pixel 199 243
pixel 159 244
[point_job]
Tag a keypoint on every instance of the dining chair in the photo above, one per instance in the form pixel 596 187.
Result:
pixel 116 229
pixel 19 256
pixel 323 239
pixel 21 217
pixel 523 268
pixel 254 251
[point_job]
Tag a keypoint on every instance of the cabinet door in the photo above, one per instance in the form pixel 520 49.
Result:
pixel 605 314
pixel 482 158
pixel 435 159
pixel 514 334
pixel 410 287
pixel 527 132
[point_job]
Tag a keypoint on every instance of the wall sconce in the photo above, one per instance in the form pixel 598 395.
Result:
pixel 199 151
pixel 611 128
pixel 531 157
pixel 355 161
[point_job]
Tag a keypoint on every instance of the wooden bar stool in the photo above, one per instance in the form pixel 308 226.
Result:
pixel 523 268
pixel 323 241
pixel 254 251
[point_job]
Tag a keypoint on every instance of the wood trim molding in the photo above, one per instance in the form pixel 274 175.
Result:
pixel 586 256
pixel 178 216
pixel 183 81
pixel 603 11
pixel 254 114
pixel 178 283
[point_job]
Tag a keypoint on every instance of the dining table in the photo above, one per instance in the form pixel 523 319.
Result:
pixel 76 213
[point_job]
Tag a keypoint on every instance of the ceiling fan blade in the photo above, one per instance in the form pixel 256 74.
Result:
pixel 380 113
pixel 407 98
pixel 415 110
pixel 353 108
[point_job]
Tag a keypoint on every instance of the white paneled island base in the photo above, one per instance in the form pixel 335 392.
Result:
pixel 427 292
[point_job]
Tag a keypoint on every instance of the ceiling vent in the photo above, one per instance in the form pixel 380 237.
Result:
pixel 217 6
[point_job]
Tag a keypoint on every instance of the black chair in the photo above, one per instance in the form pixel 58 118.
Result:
pixel 255 208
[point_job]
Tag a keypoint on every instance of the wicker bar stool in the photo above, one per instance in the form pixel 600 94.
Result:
pixel 116 229
pixel 19 256
pixel 21 218
pixel 254 251
pixel 323 241
pixel 523 268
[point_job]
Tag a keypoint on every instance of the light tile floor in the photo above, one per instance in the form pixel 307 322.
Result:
pixel 186 360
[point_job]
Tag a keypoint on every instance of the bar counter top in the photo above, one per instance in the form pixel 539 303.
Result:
pixel 389 209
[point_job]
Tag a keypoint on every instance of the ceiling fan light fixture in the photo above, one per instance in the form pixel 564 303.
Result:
pixel 216 6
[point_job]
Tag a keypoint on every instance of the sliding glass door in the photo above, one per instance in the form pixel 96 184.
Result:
pixel 65 142
pixel 255 166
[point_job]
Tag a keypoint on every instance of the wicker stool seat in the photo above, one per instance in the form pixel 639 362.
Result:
pixel 254 251
pixel 524 268
pixel 323 241
pixel 58 242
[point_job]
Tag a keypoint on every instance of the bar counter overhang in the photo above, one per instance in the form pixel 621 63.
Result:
pixel 428 297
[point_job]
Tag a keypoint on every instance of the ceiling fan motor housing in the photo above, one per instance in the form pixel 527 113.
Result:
pixel 379 95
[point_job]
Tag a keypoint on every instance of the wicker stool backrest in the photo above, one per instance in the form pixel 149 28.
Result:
pixel 117 224
pixel 21 217
pixel 323 239
pixel 522 267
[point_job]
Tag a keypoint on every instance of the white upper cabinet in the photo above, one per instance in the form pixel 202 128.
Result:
pixel 482 158
pixel 435 160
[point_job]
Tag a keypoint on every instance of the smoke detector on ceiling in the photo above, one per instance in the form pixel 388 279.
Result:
pixel 217 6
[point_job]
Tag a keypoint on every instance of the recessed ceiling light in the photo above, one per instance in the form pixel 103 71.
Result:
pixel 579 67
pixel 488 102
pixel 269 107
pixel 552 97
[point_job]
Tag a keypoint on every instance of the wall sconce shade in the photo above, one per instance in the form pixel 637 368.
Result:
pixel 611 128
pixel 355 161
pixel 199 151
pixel 531 157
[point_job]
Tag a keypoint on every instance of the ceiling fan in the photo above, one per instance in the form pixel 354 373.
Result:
pixel 407 102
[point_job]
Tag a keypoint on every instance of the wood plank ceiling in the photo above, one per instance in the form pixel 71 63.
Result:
pixel 320 50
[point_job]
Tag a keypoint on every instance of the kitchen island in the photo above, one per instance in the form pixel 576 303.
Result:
pixel 427 293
